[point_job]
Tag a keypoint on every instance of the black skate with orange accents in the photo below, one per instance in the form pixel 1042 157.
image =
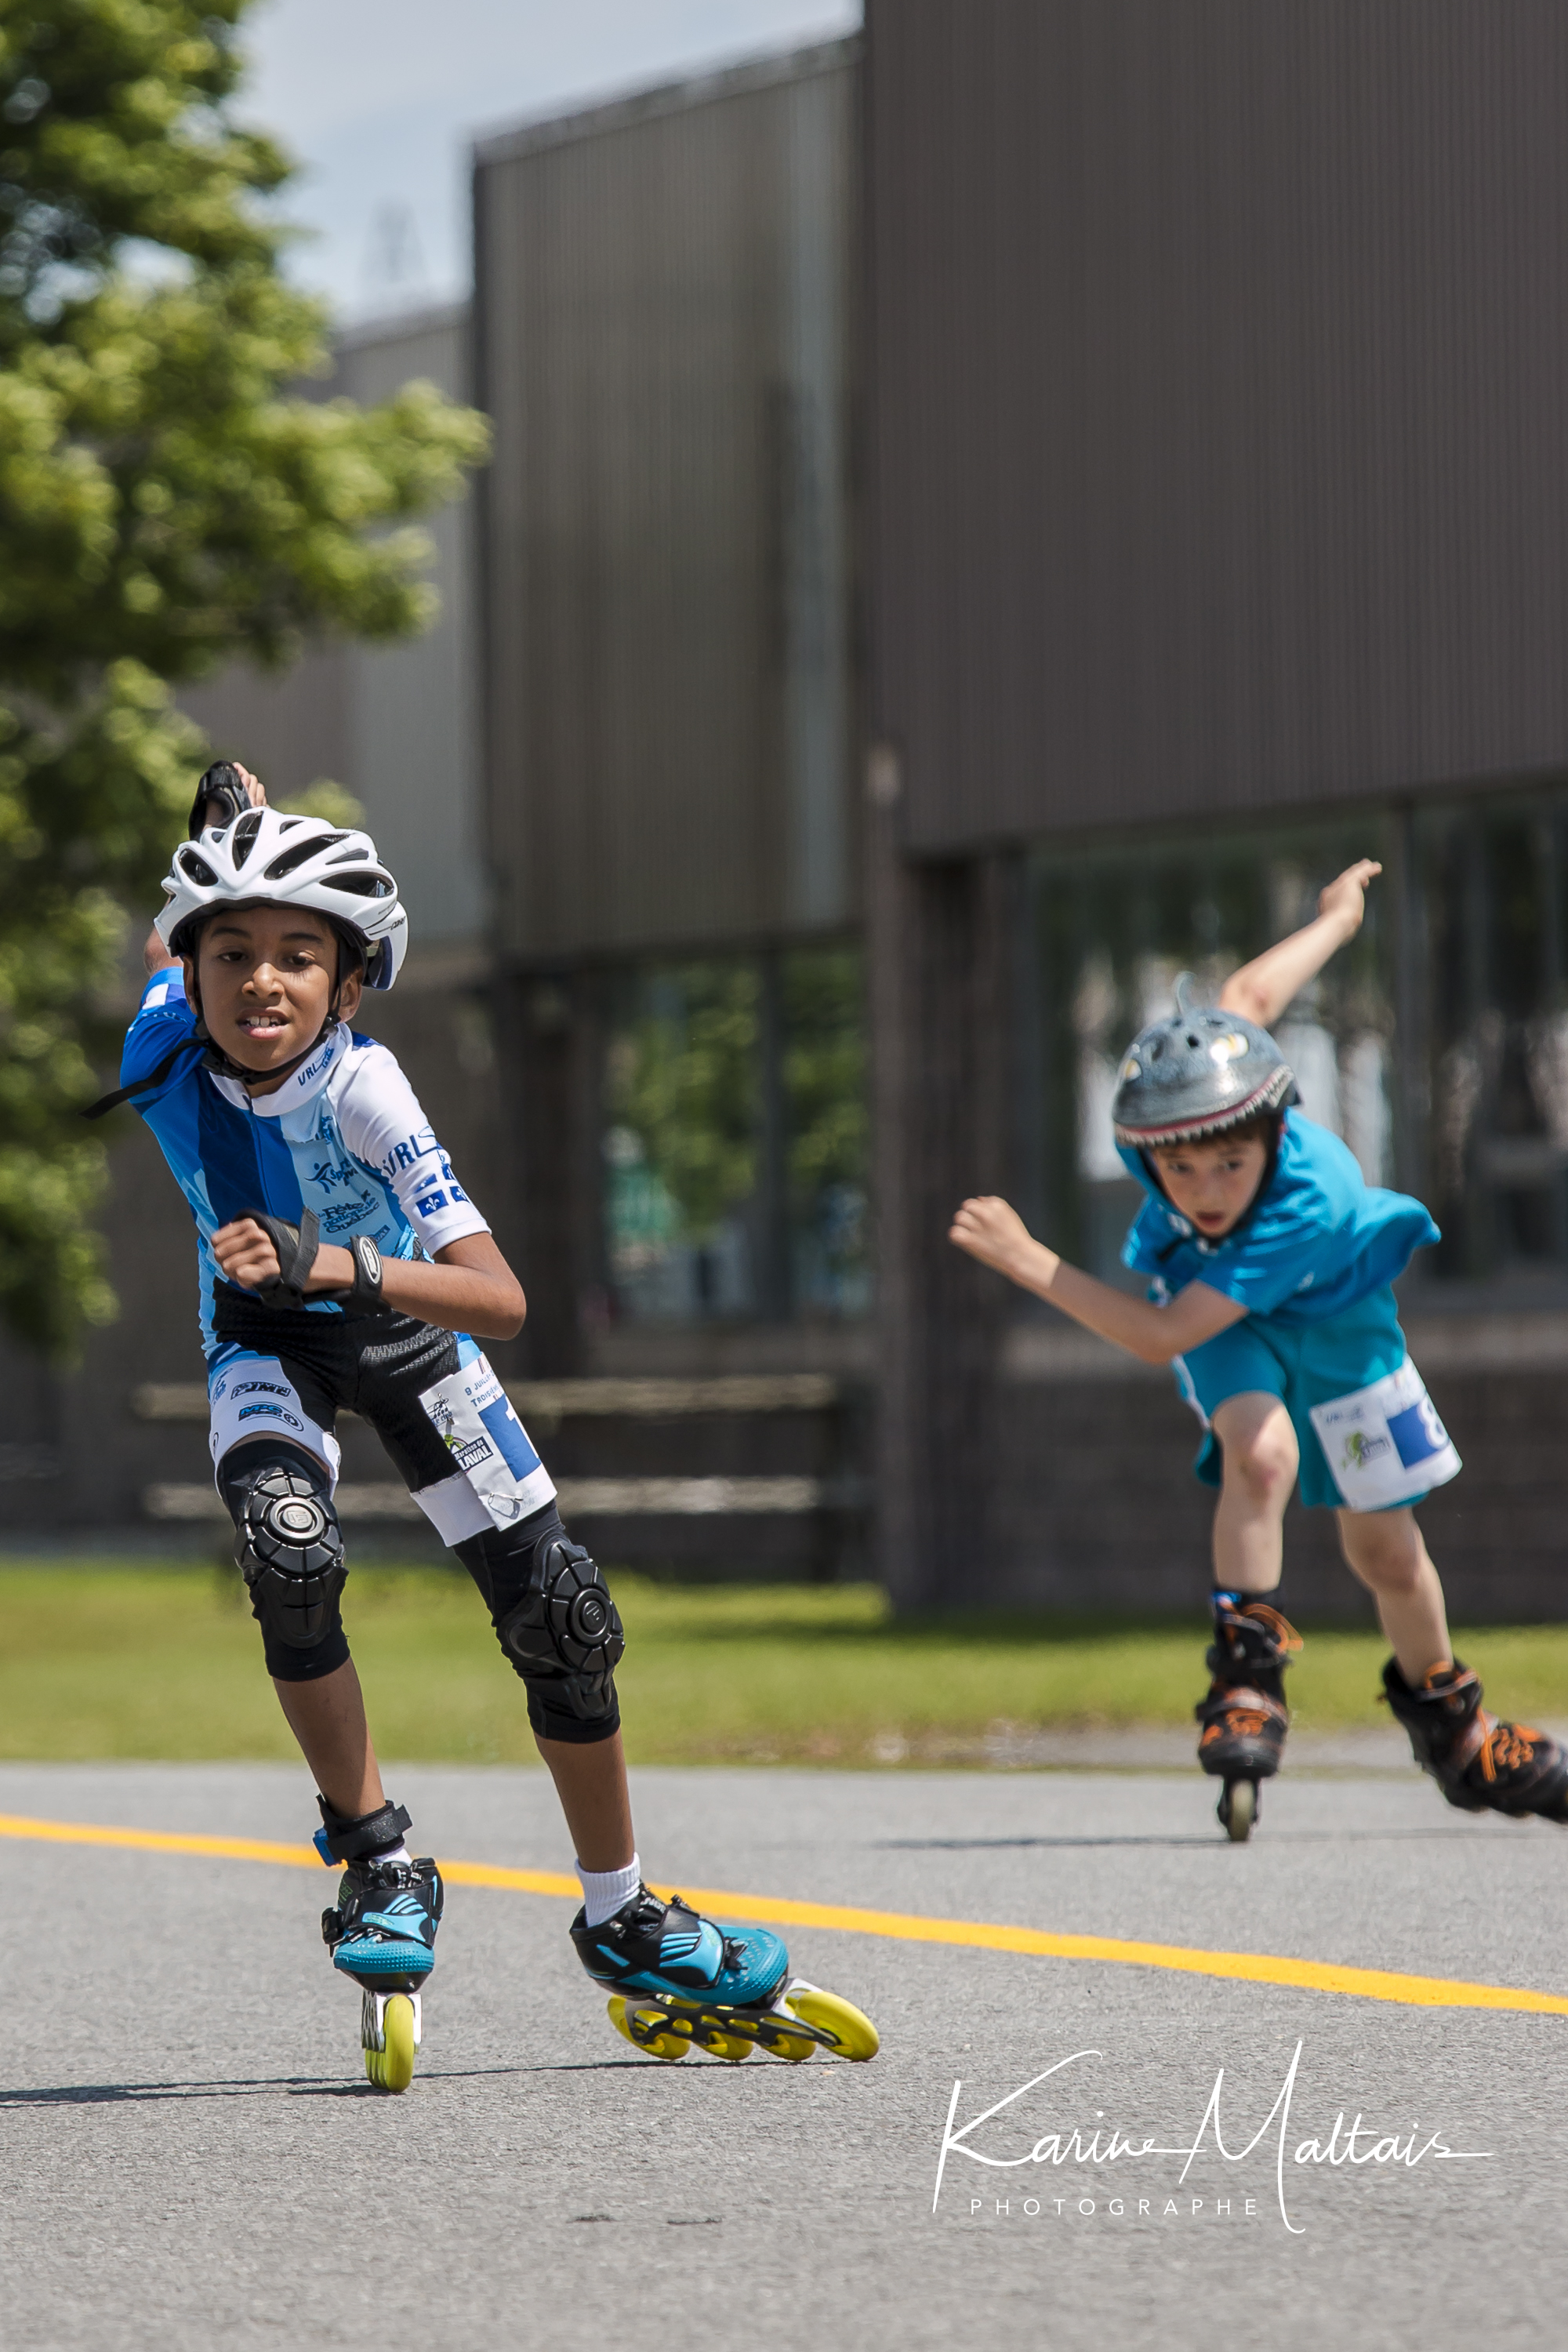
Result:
pixel 1482 1763
pixel 1244 1717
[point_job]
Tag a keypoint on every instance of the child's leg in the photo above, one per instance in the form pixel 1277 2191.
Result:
pixel 1386 1551
pixel 327 1717
pixel 591 1782
pixel 1261 1459
pixel 1242 1717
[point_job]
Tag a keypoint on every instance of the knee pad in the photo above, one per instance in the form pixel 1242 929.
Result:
pixel 289 1548
pixel 555 1620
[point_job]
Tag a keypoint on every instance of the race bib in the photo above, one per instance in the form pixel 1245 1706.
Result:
pixel 1384 1444
pixel 489 1445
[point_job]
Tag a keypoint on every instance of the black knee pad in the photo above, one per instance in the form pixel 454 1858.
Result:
pixel 555 1620
pixel 289 1548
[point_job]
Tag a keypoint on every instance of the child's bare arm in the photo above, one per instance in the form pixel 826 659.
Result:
pixel 995 1233
pixel 1262 989
pixel 470 1287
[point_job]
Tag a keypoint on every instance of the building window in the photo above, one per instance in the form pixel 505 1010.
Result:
pixel 1113 930
pixel 735 1138
pixel 1493 896
pixel 1464 1104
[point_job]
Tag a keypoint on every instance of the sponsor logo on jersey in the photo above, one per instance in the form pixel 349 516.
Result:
pixel 469 1455
pixel 346 1213
pixel 273 1411
pixel 326 1173
pixel 253 1388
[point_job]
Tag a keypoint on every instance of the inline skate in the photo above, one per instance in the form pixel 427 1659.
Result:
pixel 1482 1763
pixel 679 1981
pixel 381 1932
pixel 1244 1716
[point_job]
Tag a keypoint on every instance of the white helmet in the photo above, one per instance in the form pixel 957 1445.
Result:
pixel 267 859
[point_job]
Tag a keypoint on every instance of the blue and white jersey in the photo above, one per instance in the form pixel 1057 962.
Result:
pixel 1320 1239
pixel 344 1135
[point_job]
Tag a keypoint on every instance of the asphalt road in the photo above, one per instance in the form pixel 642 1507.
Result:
pixel 189 2156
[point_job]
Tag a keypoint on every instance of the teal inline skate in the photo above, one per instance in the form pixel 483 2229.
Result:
pixel 679 1981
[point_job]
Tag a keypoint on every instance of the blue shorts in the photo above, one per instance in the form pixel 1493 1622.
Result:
pixel 1369 1434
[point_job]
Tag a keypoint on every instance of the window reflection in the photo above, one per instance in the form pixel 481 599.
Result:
pixel 1114 928
pixel 735 1139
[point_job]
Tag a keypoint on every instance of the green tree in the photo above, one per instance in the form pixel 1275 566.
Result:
pixel 167 500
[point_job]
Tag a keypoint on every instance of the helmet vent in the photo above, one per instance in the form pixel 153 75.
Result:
pixel 245 834
pixel 197 870
pixel 348 856
pixel 364 885
pixel 300 854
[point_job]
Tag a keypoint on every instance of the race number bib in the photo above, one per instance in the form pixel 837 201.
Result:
pixel 489 1445
pixel 1384 1444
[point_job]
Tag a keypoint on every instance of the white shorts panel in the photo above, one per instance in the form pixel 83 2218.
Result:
pixel 253 1396
pixel 489 1448
pixel 1384 1444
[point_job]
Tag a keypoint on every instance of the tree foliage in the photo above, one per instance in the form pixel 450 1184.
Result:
pixel 168 498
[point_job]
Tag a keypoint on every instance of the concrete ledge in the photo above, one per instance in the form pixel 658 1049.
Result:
pixel 581 1498
pixel 549 1402
pixel 1526 1342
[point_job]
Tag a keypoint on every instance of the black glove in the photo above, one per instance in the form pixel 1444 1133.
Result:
pixel 223 785
pixel 296 1247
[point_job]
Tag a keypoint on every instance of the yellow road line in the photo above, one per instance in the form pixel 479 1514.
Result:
pixel 903 1927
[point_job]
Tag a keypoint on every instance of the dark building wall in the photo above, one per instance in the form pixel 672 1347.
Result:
pixel 1218 416
pixel 1221 403
pixel 664 291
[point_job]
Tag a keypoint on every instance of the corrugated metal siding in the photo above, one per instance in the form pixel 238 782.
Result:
pixel 664 291
pixel 1220 398
pixel 397 724
pixel 413 708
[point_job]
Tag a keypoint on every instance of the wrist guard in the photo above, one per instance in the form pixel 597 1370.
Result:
pixel 364 1292
pixel 222 786
pixel 297 1246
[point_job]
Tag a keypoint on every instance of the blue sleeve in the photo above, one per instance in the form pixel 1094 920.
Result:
pixel 163 1019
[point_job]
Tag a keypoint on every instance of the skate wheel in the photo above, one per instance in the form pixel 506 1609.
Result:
pixel 1238 1810
pixel 728 2046
pixel 392 2068
pixel 850 2033
pixel 649 2029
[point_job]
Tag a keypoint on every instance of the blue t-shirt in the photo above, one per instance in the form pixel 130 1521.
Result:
pixel 344 1135
pixel 1320 1239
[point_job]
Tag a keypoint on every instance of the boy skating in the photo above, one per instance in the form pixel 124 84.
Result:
pixel 1270 1263
pixel 343 1265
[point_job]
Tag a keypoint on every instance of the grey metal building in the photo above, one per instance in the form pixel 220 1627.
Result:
pixel 1218 386
pixel 665 298
pixel 982 517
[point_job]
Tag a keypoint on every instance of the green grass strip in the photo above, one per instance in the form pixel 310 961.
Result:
pixel 100 1661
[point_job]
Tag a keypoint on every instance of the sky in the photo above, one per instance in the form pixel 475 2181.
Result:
pixel 379 100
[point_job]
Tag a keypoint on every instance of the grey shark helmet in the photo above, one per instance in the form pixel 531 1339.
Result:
pixel 1197 1076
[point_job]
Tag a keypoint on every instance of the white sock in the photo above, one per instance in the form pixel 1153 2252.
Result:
pixel 606 1891
pixel 399 1853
